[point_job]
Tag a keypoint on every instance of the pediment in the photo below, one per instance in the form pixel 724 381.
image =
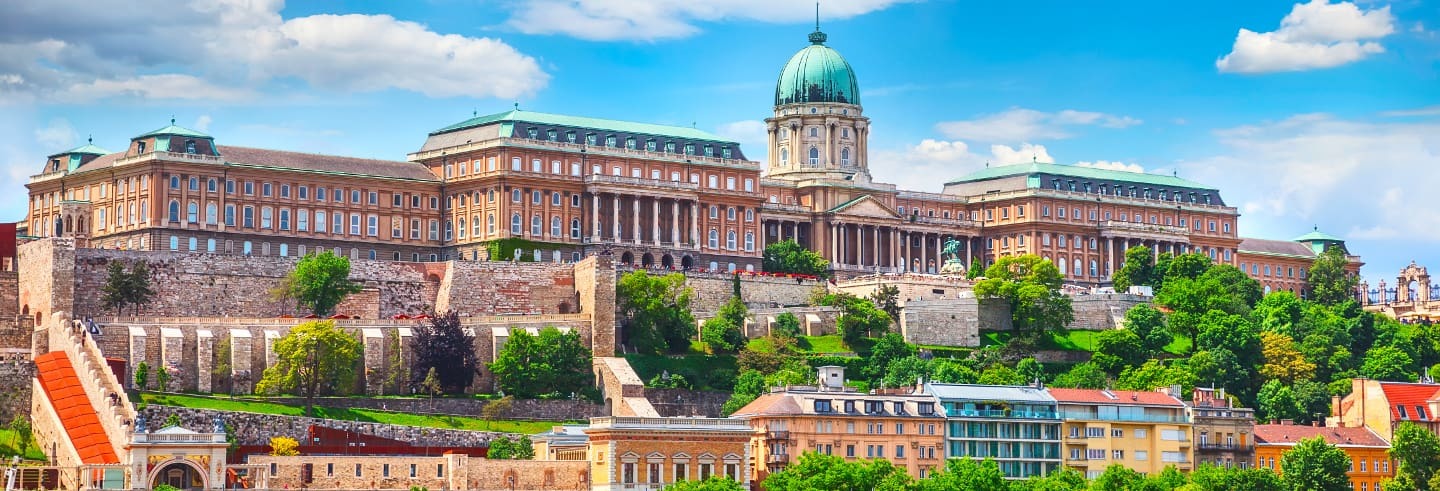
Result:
pixel 865 206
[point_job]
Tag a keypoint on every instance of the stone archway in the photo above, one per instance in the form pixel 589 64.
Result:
pixel 180 473
pixel 667 262
pixel 687 262
pixel 627 258
pixel 1413 274
pixel 647 260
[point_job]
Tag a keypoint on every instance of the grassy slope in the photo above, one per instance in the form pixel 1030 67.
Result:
pixel 7 447
pixel 386 417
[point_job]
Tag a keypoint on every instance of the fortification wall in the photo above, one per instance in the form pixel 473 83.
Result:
pixel 456 471
pixel 952 321
pixel 912 286
pixel 714 289
pixel 257 429
pixel 492 288
pixel 15 388
pixel 1102 312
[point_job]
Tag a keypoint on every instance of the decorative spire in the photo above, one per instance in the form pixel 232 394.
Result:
pixel 817 37
pixel 172 120
pixel 517 105
pixel 90 139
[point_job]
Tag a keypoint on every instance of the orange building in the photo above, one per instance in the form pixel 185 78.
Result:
pixel 1284 265
pixel 1369 463
pixel 647 454
pixel 905 428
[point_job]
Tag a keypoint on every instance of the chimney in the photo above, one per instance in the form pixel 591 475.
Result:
pixel 831 377
pixel 1287 422
pixel 1315 423
pixel 1335 406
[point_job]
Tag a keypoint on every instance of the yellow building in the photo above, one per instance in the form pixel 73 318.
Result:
pixel 907 429
pixel 1145 431
pixel 647 454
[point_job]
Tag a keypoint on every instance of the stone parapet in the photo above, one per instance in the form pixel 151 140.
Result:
pixel 257 429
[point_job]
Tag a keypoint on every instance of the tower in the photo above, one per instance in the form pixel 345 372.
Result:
pixel 818 130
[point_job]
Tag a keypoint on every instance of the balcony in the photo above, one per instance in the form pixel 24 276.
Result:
pixel 777 435
pixel 48 176
pixel 946 222
pixel 1224 447
pixel 1148 418
pixel 193 158
pixel 780 207
pixel 996 413
pixel 1114 228
pixel 641 182
pixel 778 458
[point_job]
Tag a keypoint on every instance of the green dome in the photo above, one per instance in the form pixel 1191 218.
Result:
pixel 817 74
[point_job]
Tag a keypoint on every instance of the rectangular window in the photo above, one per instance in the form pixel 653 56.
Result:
pixel 372 225
pixel 354 224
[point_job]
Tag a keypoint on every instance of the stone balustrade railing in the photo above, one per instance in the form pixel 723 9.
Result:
pixel 344 323
pixel 106 394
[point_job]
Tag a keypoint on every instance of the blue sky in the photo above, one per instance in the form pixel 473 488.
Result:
pixel 1322 113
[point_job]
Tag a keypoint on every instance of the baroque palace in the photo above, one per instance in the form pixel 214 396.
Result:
pixel 550 187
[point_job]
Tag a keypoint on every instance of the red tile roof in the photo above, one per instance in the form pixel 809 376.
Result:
pixel 1409 395
pixel 1121 397
pixel 1292 434
pixel 67 396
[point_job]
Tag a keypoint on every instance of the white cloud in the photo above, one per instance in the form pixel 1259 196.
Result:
pixel 1421 111
pixel 70 51
pixel 1313 35
pixel 929 163
pixel 1364 179
pixel 202 123
pixel 1004 154
pixel 650 20
pixel 58 135
pixel 751 136
pixel 1109 165
pixel 1021 124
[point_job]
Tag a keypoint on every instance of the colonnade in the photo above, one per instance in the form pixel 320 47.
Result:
pixel 645 220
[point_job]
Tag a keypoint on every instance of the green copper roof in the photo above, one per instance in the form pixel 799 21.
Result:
pixel 518 116
pixel 87 149
pixel 175 130
pixel 1078 172
pixel 817 74
pixel 1316 235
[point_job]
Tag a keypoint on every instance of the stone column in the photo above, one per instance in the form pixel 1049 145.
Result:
pixel 137 354
pixel 860 245
pixel 938 251
pixel 172 354
pixel 405 355
pixel 240 369
pixel 373 344
pixel 695 224
pixel 615 225
pixel 595 217
pixel 655 221
pixel 924 253
pixel 834 243
pixel 876 261
pixel 635 225
pixel 204 353
pixel 674 223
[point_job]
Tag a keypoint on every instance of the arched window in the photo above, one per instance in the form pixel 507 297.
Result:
pixel 814 156
pixel 174 215
pixel 490 223
pixel 144 211
pixel 211 185
pixel 749 241
pixel 784 156
pixel 845 156
pixel 211 214
pixel 575 228
pixel 1078 271
pixel 714 239
pixel 461 228
pixel 535 225
pixel 555 225
pixel 730 240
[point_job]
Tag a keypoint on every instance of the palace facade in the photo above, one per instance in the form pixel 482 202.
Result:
pixel 548 187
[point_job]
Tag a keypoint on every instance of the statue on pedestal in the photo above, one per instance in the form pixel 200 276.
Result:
pixel 951 253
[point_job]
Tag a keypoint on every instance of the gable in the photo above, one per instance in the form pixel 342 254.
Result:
pixel 865 206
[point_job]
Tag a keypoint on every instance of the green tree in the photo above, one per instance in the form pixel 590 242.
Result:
pixel 859 319
pixel 1329 283
pixel 721 335
pixel 1240 286
pixel 949 371
pixel 313 357
pixel 442 344
pixel 1062 479
pixel 1313 465
pixel 887 298
pixel 1277 401
pixel 1388 363
pixel 172 420
pixel 142 376
pixel 788 256
pixel 124 288
pixel 748 386
pixel 431 385
pixel 906 371
pixel 1001 374
pixel 1118 349
pixel 551 363
pixel 1030 370
pixel 496 409
pixel 524 448
pixel 319 282
pixel 714 483
pixel 1155 374
pixel 965 473
pixel 787 325
pixel 832 473
pixel 1148 324
pixel 221 373
pixel 1418 451
pixel 888 349
pixel 395 376
pixel 1281 360
pixel 1031 286
pixel 655 311
pixel 1190 265
pixel 162 378
pixel 1214 478
pixel 21 432
pixel 1138 269
pixel 1086 375
pixel 1117 477
pixel 667 380
pixel 501 448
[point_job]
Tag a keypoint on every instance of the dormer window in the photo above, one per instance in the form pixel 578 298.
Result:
pixel 589 138
pixel 849 406
pixel 725 152
pixel 822 406
pixel 570 136
pixel 190 146
pixel 650 145
pixel 532 132
pixel 610 140
pixel 669 147
pixel 1401 409
pixel 139 147
pixel 550 135
pixel 55 165
pixel 630 143
pixel 709 151
pixel 927 408
pixel 689 149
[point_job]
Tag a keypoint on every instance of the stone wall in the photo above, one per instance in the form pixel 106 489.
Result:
pixel 595 291
pixel 912 286
pixel 183 346
pixel 814 321
pixel 454 472
pixel 714 289
pixel 492 288
pixel 1102 312
pixel 257 429
pixel 530 409
pixel 952 321
pixel 15 388
pixel 686 403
